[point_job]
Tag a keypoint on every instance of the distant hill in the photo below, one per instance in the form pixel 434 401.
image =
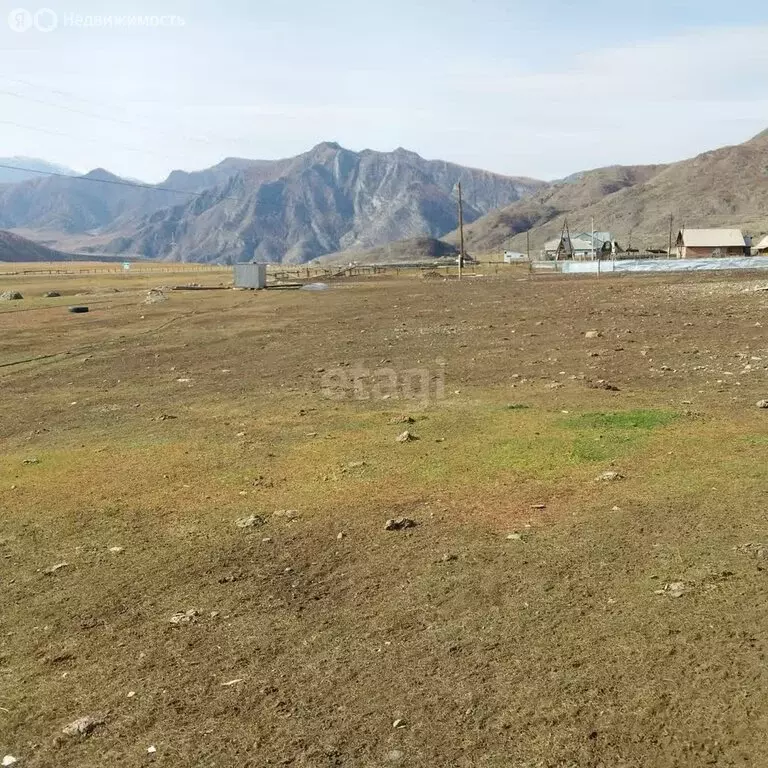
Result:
pixel 402 251
pixel 326 200
pixel 8 176
pixel 497 230
pixel 16 248
pixel 726 187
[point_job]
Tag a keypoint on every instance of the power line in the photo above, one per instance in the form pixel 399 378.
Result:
pixel 142 150
pixel 116 182
pixel 76 111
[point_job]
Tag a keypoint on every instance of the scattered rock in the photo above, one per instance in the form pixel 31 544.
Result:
pixel 51 295
pixel 395 756
pixel 592 335
pixel 340 536
pixel 84 726
pixel 286 514
pixel 252 521
pixel 406 437
pixel 55 568
pixel 399 723
pixel 554 385
pixel 759 551
pixel 515 537
pixel 762 403
pixel 449 558
pixel 602 384
pixel 165 417
pixel 155 296
pixel 399 524
pixel 673 589
pixel 31 461
pixel 402 420
pixel 355 464
pixel 151 750
pixel 10 760
pixel 609 476
pixel 10 296
pixel 116 550
pixel 186 617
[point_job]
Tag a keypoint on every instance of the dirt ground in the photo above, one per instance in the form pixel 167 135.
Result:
pixel 534 616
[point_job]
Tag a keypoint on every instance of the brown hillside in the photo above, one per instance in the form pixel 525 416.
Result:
pixel 725 187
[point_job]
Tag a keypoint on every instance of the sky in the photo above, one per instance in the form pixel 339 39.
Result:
pixel 540 88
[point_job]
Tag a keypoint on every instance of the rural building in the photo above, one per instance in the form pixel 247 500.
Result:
pixel 709 243
pixel 582 246
pixel 761 249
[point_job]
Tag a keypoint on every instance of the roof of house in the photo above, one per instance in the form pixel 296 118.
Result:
pixel 713 238
pixel 763 244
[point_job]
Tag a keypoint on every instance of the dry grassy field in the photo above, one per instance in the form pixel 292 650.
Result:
pixel 534 615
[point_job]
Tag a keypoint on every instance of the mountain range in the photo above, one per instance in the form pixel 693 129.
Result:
pixel 16 169
pixel 727 187
pixel 326 200
pixel 344 205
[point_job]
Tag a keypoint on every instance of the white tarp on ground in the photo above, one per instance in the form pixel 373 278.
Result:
pixel 663 265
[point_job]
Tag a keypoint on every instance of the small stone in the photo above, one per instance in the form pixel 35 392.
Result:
pixel 402 420
pixel 55 568
pixel 116 550
pixel 252 521
pixel 609 476
pixel 355 464
pixel 515 537
pixel 406 437
pixel 287 514
pixel 399 723
pixel 762 403
pixel 592 335
pixel 84 726
pixel 673 589
pixel 448 558
pixel 399 524
pixel 394 756
pixel 10 296
pixel 538 506
pixel 10 760
pixel 339 536
pixel 185 617
pixel 131 694
pixel 51 295
pixel 33 460
pixel 151 750
pixel 266 540
pixel 230 683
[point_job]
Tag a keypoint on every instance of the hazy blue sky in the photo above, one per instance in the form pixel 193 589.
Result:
pixel 534 87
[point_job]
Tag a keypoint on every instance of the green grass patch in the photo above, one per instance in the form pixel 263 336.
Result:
pixel 623 420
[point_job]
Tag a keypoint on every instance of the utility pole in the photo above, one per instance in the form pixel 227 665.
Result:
pixel 669 252
pixel 528 249
pixel 461 232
